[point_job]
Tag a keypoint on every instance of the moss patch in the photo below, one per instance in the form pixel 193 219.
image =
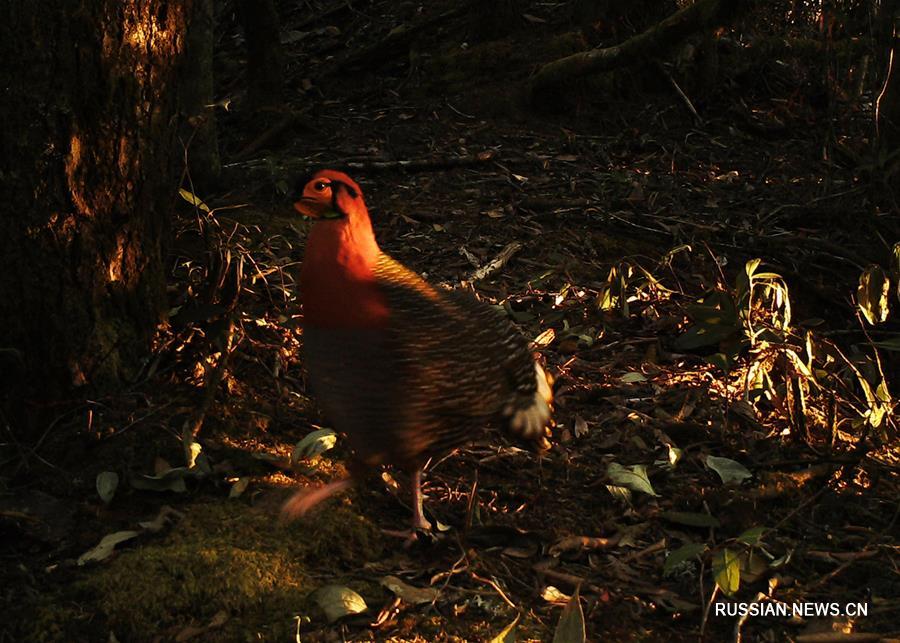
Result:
pixel 222 557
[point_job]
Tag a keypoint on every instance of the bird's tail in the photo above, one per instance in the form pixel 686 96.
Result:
pixel 533 422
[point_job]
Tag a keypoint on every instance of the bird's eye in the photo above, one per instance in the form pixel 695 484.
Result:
pixel 319 186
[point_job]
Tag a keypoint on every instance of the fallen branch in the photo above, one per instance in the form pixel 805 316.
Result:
pixel 653 41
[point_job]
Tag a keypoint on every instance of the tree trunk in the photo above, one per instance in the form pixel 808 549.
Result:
pixel 90 168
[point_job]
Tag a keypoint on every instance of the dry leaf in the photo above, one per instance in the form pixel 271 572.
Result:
pixel 408 593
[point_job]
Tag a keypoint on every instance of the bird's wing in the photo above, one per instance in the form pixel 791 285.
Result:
pixel 464 355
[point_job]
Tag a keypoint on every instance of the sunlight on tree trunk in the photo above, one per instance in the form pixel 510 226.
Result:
pixel 90 167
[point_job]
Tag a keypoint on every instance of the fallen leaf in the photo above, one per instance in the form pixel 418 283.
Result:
pixel 690 519
pixel 508 635
pixel 581 426
pixel 546 338
pixel 729 470
pixel 107 482
pixel 163 519
pixel 170 480
pixel 552 595
pixel 570 628
pixel 338 601
pixel 239 487
pixel 192 449
pixel 274 459
pixel 633 477
pixel 408 593
pixel 106 546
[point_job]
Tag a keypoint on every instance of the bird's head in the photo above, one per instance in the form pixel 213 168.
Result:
pixel 330 194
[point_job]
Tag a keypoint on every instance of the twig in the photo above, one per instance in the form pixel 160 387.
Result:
pixel 493 583
pixel 423 165
pixel 195 423
pixel 709 604
pixel 687 101
pixel 497 262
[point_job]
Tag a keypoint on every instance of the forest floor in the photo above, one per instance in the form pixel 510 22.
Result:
pixel 618 216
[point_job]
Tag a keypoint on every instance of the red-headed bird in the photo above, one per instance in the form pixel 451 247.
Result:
pixel 406 370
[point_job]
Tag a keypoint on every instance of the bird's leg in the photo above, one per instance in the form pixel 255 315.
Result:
pixel 420 523
pixel 419 520
pixel 304 500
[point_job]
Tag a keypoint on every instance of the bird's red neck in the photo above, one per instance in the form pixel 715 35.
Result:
pixel 338 278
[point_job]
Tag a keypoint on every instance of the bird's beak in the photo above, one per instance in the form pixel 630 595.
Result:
pixel 315 209
pixel 308 207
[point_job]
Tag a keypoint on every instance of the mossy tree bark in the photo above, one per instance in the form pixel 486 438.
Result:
pixel 90 166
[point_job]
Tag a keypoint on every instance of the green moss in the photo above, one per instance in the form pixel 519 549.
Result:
pixel 222 556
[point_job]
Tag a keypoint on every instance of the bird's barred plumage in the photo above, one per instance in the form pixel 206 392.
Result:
pixel 443 367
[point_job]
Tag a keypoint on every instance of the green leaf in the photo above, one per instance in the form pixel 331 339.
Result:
pixel 683 553
pixel 752 536
pixel 193 199
pixel 633 477
pixel 633 377
pixel 872 294
pixel 727 571
pixel 691 519
pixel 107 482
pixel 314 445
pixel 508 635
pixel 570 628
pixel 338 601
pixel 729 470
pixel 744 282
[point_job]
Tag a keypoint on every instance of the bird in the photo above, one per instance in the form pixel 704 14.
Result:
pixel 406 370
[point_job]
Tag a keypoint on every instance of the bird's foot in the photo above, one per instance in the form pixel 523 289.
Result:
pixel 304 500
